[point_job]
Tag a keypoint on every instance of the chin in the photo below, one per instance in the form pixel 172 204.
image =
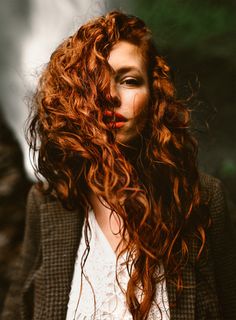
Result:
pixel 124 138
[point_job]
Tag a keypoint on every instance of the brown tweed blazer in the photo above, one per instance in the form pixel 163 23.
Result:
pixel 52 236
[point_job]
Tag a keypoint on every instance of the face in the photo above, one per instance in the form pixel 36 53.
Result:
pixel 129 83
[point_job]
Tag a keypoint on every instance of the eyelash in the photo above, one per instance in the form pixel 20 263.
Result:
pixel 130 81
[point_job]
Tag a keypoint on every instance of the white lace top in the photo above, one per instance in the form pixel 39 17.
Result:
pixel 101 297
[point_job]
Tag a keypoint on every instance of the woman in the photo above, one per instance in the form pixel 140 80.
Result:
pixel 125 227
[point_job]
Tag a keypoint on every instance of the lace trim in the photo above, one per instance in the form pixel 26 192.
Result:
pixel 99 281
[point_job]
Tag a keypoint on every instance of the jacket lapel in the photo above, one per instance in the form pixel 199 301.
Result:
pixel 61 234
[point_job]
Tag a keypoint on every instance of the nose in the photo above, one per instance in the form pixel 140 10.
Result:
pixel 115 94
pixel 114 90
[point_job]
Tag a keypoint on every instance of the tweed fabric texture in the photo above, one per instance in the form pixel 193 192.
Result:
pixel 52 235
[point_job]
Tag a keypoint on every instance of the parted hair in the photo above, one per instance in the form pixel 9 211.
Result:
pixel 156 193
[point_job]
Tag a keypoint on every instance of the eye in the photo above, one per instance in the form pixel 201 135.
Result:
pixel 130 81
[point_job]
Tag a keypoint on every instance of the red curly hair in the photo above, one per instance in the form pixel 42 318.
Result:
pixel 157 193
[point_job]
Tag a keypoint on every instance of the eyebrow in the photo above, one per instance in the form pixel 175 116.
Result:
pixel 125 69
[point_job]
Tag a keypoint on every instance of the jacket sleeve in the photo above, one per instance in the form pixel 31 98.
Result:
pixel 223 243
pixel 23 269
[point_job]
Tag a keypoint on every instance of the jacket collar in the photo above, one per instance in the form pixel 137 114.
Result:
pixel 61 234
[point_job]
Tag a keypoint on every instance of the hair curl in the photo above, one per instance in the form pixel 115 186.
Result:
pixel 78 152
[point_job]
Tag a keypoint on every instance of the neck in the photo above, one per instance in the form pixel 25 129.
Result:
pixel 110 224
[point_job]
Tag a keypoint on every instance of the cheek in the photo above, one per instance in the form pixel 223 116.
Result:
pixel 141 102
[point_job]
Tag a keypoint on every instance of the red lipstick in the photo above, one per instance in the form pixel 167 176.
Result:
pixel 114 119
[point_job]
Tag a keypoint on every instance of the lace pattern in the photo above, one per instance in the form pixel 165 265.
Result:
pixel 101 296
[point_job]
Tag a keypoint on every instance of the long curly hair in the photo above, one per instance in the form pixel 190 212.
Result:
pixel 156 193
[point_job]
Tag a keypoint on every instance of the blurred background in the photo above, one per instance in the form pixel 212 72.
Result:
pixel 198 39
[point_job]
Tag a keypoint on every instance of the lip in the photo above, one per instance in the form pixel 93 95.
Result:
pixel 114 117
pixel 115 125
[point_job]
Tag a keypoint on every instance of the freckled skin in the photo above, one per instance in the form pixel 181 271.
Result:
pixel 129 83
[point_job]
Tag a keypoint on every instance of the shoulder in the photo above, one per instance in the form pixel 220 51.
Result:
pixel 213 197
pixel 221 231
pixel 38 196
pixel 211 188
pixel 222 242
pixel 208 181
pixel 39 203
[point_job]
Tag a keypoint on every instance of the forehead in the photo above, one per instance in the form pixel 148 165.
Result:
pixel 126 54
